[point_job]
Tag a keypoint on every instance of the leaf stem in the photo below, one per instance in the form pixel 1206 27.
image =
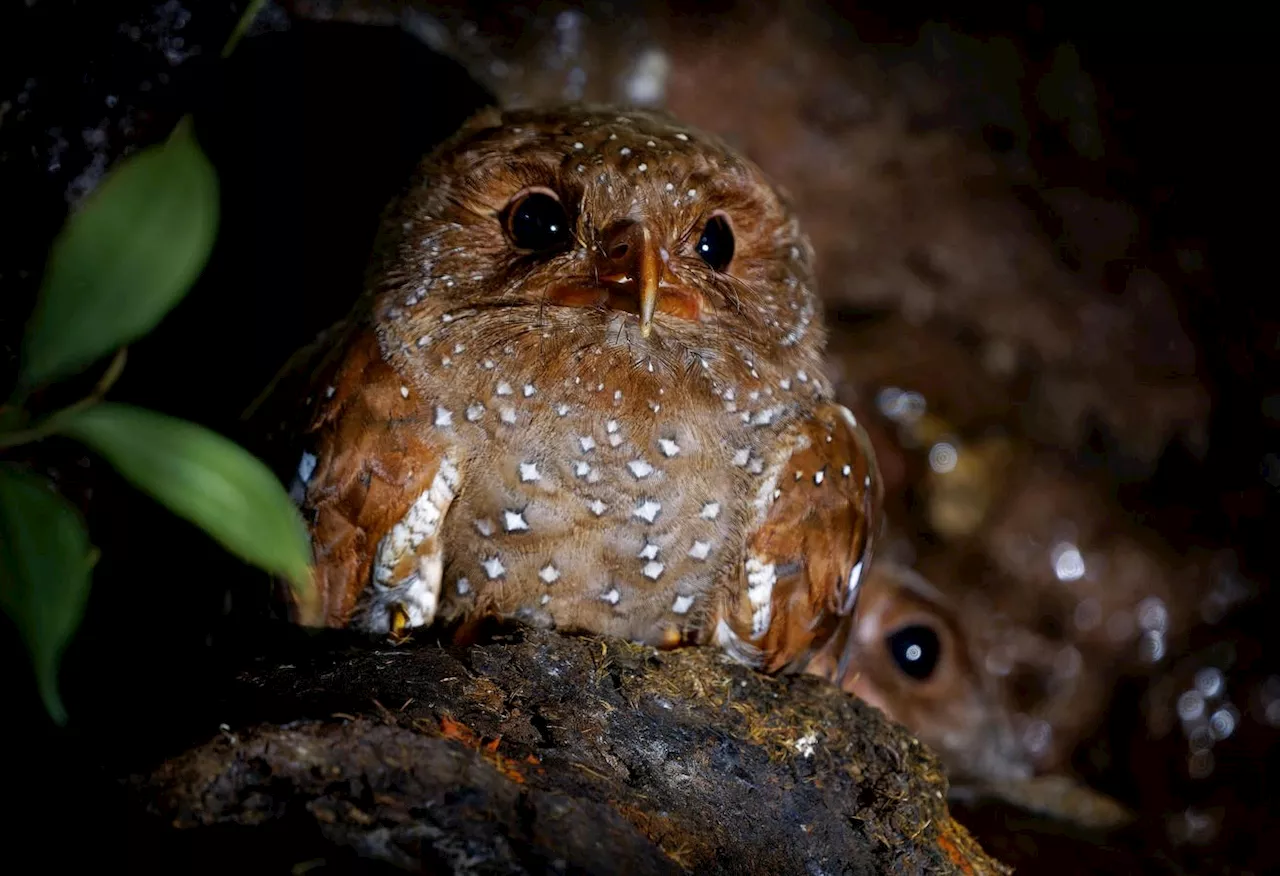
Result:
pixel 49 424
pixel 250 13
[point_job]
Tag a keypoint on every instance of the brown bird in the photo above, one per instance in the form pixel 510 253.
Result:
pixel 584 390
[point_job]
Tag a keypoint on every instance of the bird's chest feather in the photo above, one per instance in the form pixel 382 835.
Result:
pixel 599 489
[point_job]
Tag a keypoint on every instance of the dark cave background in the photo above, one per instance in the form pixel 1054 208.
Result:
pixel 313 128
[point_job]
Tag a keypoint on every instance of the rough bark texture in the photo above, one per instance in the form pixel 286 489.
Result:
pixel 537 753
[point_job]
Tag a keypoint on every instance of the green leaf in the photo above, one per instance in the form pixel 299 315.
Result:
pixel 124 259
pixel 205 478
pixel 45 558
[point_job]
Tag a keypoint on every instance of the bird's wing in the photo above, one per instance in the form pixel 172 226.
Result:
pixel 374 483
pixel 818 510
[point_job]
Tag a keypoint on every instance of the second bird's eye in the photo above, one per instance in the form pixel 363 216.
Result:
pixel 536 220
pixel 916 650
pixel 716 243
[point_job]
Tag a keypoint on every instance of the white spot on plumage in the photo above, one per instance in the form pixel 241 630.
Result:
pixel 484 526
pixel 761 577
pixel 493 568
pixel 710 511
pixel 507 415
pixel 529 472
pixel 463 586
pixel 581 469
pixel 855 580
pixel 740 458
pixel 504 388
pixel 306 467
pixel 649 551
pixel 444 417
pixel 597 507
pixel 549 574
pixel 668 447
pixel 818 476
pixel 404 391
pixel 734 647
pixel 647 510
pixel 587 443
pixel 529 390
pixel 615 439
pixel 682 604
pixel 418 593
pixel 611 596
pixel 475 412
pixel 640 468
pixel 611 427
pixel 653 570
pixel 847 470
pixel 513 521
pixel 700 550
pixel 562 410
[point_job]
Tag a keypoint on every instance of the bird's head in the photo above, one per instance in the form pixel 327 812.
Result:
pixel 630 223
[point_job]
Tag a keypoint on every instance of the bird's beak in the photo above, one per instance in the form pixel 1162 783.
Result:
pixel 650 270
pixel 631 274
pixel 633 263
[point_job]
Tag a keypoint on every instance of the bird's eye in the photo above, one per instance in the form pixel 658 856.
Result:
pixel 716 243
pixel 916 649
pixel 536 220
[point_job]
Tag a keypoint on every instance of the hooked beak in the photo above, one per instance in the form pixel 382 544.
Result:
pixel 633 263
pixel 631 275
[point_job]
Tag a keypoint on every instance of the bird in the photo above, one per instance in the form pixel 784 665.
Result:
pixel 583 390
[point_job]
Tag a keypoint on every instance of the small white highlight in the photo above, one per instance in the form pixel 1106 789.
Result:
pixel 806 744
pixel 1068 563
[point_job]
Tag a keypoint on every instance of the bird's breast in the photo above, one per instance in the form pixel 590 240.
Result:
pixel 596 494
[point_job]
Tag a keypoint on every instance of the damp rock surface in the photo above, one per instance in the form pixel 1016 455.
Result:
pixel 538 753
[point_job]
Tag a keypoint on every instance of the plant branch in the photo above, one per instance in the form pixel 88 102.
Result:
pixel 49 425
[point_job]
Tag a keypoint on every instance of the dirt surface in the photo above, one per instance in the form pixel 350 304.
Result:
pixel 537 753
